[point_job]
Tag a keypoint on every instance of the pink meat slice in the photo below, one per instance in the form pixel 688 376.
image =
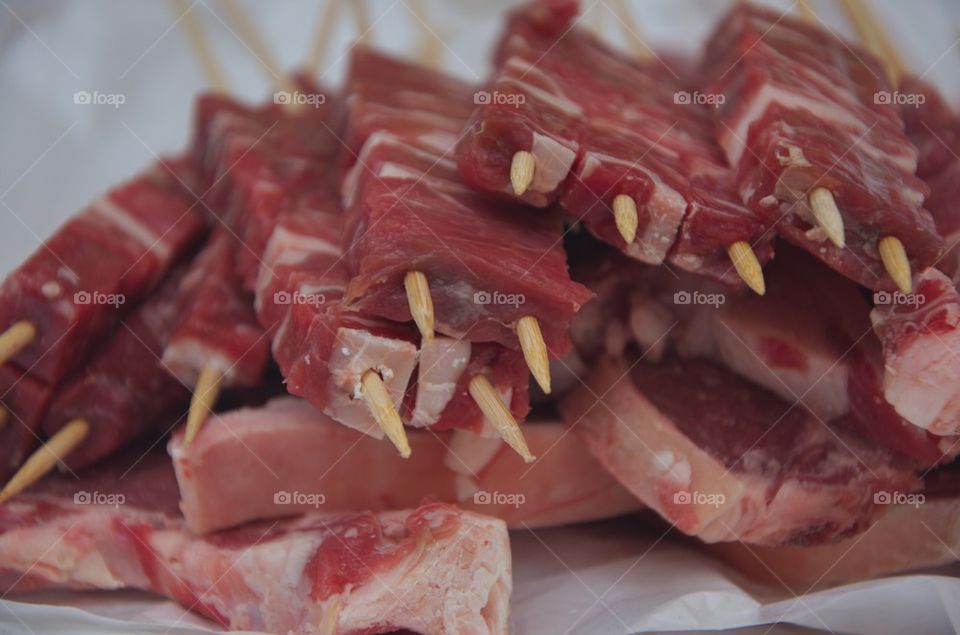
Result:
pixel 916 533
pixel 802 111
pixel 919 334
pixel 216 325
pixel 434 569
pixel 725 460
pixel 100 264
pixel 288 458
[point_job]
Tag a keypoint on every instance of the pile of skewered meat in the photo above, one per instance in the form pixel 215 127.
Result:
pixel 734 291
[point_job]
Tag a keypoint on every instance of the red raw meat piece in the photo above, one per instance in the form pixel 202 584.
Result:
pixel 805 110
pixel 725 460
pixel 25 401
pixel 216 324
pixel 322 572
pixel 97 267
pixel 124 390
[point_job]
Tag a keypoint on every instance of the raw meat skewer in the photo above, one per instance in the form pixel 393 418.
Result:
pixel 211 377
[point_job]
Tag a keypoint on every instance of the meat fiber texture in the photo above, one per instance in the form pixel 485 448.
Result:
pixel 324 347
pixel 216 325
pixel 385 93
pixel 99 265
pixel 919 333
pixel 124 390
pixel 600 125
pixel 724 460
pixel 259 162
pixel 25 401
pixel 406 215
pixel 288 458
pixel 434 569
pixel 804 110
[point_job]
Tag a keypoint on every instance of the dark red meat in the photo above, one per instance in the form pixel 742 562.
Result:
pixel 97 267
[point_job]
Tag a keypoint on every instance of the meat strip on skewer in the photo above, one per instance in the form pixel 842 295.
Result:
pixel 615 142
pixel 58 306
pixel 412 224
pixel 818 151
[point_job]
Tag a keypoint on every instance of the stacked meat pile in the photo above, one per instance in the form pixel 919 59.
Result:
pixel 397 262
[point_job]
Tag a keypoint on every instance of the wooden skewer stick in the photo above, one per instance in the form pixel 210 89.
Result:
pixel 205 395
pixel 806 10
pixel 747 265
pixel 211 70
pixel 875 38
pixel 825 211
pixel 4 417
pixel 361 18
pixel 631 30
pixel 522 168
pixel 15 338
pixel 250 36
pixel 49 454
pixel 497 413
pixel 380 403
pixel 421 304
pixel 534 350
pixel 429 49
pixel 323 33
pixel 625 216
pixel 895 261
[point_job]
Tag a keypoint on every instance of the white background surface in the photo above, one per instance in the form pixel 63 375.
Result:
pixel 56 155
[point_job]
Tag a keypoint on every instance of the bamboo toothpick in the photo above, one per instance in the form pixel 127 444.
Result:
pixel 493 408
pixel 205 395
pixel 420 303
pixel 15 339
pixel 824 209
pixel 625 216
pixel 208 64
pixel 747 265
pixel 381 405
pixel 522 169
pixel 534 350
pixel 58 447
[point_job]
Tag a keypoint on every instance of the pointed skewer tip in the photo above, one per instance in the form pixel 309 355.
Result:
pixel 625 216
pixel 205 395
pixel 747 266
pixel 493 408
pixel 420 302
pixel 824 209
pixel 386 415
pixel 522 167
pixel 15 338
pixel 534 350
pixel 46 457
pixel 895 261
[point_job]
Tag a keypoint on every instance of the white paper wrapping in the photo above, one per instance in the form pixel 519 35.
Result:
pixel 56 155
